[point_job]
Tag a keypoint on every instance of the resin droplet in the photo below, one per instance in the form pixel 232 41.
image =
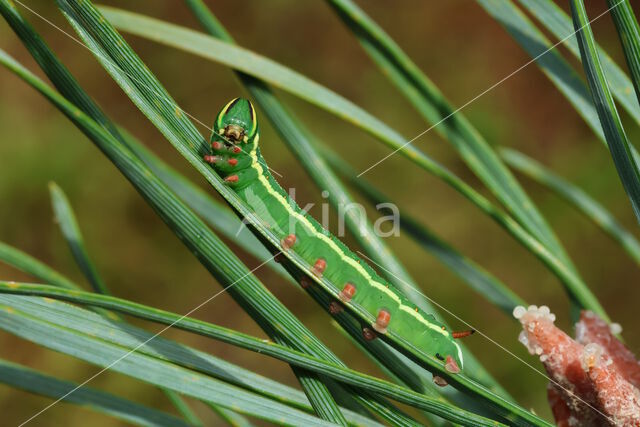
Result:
pixel 591 356
pixel 519 311
pixel 347 292
pixel 615 328
pixel 382 321
pixel 544 310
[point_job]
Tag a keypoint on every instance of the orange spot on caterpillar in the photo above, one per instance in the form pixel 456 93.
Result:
pixel 347 292
pixel 335 307
pixel 236 149
pixel 439 381
pixel 232 162
pixel 462 334
pixel 382 321
pixel 451 365
pixel 288 242
pixel 319 267
pixel 216 145
pixel 232 179
pixel 368 334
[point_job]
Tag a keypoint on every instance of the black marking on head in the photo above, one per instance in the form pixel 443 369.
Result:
pixel 253 113
pixel 234 102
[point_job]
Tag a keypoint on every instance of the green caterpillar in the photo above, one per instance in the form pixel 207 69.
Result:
pixel 236 157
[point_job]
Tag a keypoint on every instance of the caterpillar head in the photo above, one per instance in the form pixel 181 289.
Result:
pixel 237 122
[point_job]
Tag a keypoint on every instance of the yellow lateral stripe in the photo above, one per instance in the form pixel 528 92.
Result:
pixel 305 221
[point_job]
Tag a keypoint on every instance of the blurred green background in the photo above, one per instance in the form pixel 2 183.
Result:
pixel 457 45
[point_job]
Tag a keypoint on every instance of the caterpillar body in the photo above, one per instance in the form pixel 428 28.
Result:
pixel 236 158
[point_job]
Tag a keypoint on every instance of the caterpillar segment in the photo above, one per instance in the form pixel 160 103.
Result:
pixel 236 157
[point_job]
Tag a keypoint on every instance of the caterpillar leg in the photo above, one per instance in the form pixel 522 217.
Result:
pixel 368 334
pixel 305 282
pixel 335 307
pixel 439 381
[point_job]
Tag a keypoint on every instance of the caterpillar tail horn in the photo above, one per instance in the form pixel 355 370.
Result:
pixel 462 334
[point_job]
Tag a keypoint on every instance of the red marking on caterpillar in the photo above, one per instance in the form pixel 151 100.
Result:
pixel 347 292
pixel 210 159
pixel 382 321
pixel 232 162
pixel 335 307
pixel 450 365
pixel 462 334
pixel 232 179
pixel 319 267
pixel 288 242
pixel 368 334
pixel 236 149
pixel 439 381
pixel 216 145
